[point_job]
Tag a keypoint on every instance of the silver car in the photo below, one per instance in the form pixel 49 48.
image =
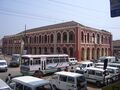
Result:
pixel 3 65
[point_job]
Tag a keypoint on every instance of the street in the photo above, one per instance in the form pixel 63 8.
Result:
pixel 15 71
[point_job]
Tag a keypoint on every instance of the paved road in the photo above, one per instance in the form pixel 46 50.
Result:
pixel 16 71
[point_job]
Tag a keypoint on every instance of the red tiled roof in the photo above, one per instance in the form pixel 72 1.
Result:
pixel 65 24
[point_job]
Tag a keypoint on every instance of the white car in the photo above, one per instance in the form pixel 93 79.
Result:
pixel 30 83
pixel 4 86
pixel 83 65
pixel 72 61
pixel 68 81
pixel 3 65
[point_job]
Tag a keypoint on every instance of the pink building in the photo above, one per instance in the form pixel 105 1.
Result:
pixel 72 38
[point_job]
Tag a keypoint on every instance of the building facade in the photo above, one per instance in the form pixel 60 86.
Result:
pixel 116 48
pixel 71 38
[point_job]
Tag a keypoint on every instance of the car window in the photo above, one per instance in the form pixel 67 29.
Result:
pixel 92 72
pixel 44 87
pixel 2 63
pixel 98 73
pixel 71 80
pixel 63 78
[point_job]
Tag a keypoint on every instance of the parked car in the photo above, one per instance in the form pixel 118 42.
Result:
pixel 72 61
pixel 83 65
pixel 4 86
pixel 30 83
pixel 68 81
pixel 3 65
pixel 114 72
pixel 98 76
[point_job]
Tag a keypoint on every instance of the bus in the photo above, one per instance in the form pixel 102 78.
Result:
pixel 44 63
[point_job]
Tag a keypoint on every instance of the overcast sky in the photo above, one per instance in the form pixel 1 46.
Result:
pixel 14 14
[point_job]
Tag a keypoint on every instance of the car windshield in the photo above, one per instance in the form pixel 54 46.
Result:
pixel 2 63
pixel 111 71
pixel 80 79
pixel 44 87
pixel 82 65
pixel 15 58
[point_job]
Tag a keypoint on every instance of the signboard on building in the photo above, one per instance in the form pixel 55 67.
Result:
pixel 115 8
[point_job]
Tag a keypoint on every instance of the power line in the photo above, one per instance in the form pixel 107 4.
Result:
pixel 77 6
pixel 15 13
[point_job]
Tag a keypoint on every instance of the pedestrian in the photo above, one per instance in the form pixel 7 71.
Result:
pixel 8 78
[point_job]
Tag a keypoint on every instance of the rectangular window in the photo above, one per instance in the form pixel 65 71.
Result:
pixel 99 73
pixel 36 61
pixel 92 72
pixel 49 60
pixel 63 78
pixel 71 80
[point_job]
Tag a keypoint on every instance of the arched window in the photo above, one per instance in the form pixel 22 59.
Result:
pixel 98 39
pixel 93 53
pixel 102 52
pixel 45 38
pixel 93 38
pixel 65 50
pixel 39 50
pixel 98 53
pixel 45 50
pixel 35 39
pixel 102 39
pixel 82 36
pixel 52 50
pixel 35 50
pixel 71 52
pixel 65 37
pixel 58 37
pixel 71 37
pixel 30 40
pixel 40 39
pixel 88 37
pixel 82 54
pixel 88 53
pixel 51 38
pixel 58 50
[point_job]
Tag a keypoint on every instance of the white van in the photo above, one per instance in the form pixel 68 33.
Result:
pixel 97 76
pixel 83 65
pixel 30 83
pixel 68 81
pixel 114 72
pixel 4 86
pixel 72 61
pixel 3 65
pixel 109 58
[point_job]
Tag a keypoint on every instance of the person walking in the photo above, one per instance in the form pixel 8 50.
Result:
pixel 8 79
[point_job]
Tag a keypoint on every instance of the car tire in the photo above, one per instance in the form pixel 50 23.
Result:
pixel 98 84
pixel 54 87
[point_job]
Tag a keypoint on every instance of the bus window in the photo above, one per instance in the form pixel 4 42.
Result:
pixel 56 60
pixel 25 61
pixel 49 60
pixel 36 61
pixel 62 59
